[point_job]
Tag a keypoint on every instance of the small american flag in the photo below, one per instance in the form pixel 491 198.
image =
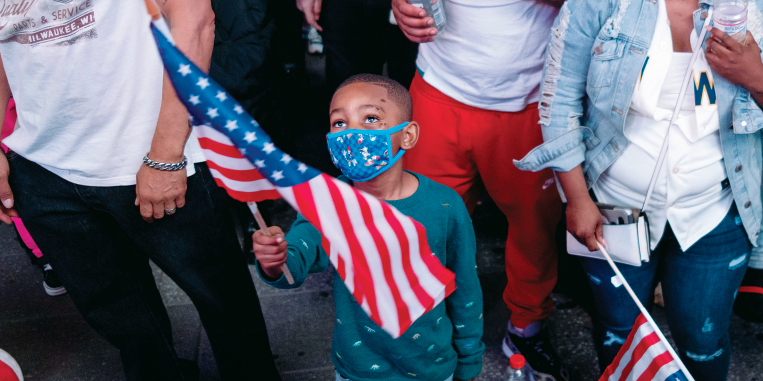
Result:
pixel 643 357
pixel 382 255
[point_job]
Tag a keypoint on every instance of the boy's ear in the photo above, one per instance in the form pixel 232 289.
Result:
pixel 410 135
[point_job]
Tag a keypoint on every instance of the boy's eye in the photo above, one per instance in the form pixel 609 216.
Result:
pixel 339 124
pixel 371 119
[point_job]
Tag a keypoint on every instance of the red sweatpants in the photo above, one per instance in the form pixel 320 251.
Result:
pixel 468 148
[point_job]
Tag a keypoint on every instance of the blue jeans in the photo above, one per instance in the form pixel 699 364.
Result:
pixel 99 246
pixel 698 286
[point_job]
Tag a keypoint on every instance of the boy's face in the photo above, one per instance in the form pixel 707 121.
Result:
pixel 366 106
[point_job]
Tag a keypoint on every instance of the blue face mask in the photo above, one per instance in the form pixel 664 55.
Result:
pixel 362 155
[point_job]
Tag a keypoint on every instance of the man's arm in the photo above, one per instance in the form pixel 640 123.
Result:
pixel 193 27
pixel 6 196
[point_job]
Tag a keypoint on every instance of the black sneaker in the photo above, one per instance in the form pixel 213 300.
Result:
pixel 51 283
pixel 539 355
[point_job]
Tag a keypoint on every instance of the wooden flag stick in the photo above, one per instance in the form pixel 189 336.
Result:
pixel 644 312
pixel 264 228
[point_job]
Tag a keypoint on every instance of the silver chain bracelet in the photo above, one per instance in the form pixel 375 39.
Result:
pixel 165 166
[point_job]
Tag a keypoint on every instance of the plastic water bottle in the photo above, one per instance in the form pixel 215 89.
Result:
pixel 517 369
pixel 436 10
pixel 730 16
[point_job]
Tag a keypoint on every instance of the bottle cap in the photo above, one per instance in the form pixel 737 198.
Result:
pixel 517 362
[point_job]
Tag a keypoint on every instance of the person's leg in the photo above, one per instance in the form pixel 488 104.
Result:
pixel 107 276
pixel 699 286
pixel 616 311
pixel 198 248
pixel 532 207
pixel 443 152
pixel 348 39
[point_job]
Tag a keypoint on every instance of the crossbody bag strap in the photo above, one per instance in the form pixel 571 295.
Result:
pixel 664 150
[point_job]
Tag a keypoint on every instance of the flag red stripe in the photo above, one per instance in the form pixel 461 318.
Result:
pixel 236 174
pixel 262 195
pixel 424 298
pixel 362 271
pixel 641 348
pixel 654 367
pixel 220 148
pixel 404 319
pixel 640 320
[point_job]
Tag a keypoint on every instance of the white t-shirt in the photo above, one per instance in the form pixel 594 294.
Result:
pixel 87 80
pixel 490 54
pixel 688 192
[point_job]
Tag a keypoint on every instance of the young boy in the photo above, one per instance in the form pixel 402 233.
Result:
pixel 443 344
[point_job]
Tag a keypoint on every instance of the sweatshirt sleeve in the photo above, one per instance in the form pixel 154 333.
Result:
pixel 304 256
pixel 464 305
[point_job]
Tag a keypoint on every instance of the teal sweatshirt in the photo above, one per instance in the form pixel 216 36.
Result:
pixel 446 340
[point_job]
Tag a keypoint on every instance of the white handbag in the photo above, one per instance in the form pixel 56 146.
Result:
pixel 629 243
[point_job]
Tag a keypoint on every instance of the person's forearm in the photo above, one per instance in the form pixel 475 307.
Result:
pixel 573 184
pixel 193 28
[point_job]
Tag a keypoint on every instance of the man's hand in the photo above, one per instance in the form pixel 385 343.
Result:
pixel 413 22
pixel 157 191
pixel 738 63
pixel 270 251
pixel 312 11
pixel 6 196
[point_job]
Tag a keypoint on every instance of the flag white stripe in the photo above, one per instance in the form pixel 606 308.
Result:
pixel 329 220
pixel 643 331
pixel 647 358
pixel 415 308
pixel 383 290
pixel 431 285
pixel 212 134
pixel 242 186
pixel 239 164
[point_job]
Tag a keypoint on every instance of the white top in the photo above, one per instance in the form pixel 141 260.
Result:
pixel 490 54
pixel 688 193
pixel 87 80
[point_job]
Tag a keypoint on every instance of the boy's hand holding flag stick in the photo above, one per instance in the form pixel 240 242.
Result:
pixel 264 228
pixel 646 354
pixel 381 254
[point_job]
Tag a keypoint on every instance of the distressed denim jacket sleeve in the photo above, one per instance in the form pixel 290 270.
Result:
pixel 748 117
pixel 563 87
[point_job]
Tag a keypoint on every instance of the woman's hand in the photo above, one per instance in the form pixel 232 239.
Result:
pixel 584 222
pixel 738 63
pixel 413 22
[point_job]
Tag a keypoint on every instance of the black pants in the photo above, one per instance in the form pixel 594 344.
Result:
pixel 99 246
pixel 358 38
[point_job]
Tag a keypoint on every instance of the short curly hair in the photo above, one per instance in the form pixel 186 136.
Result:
pixel 397 92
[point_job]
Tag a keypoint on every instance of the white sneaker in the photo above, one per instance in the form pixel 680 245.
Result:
pixel 314 41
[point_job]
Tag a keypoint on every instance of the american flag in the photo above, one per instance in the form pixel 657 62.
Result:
pixel 382 255
pixel 643 357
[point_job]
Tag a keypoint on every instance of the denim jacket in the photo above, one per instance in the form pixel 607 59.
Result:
pixel 596 51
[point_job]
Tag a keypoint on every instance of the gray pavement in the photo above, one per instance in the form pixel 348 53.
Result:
pixel 50 340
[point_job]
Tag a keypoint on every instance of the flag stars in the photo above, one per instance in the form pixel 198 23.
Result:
pixel 212 112
pixel 277 175
pixel 238 109
pixel 184 69
pixel 302 167
pixel 268 148
pixel 286 159
pixel 250 137
pixel 194 99
pixel 221 96
pixel 203 83
pixel 259 163
pixel 231 125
